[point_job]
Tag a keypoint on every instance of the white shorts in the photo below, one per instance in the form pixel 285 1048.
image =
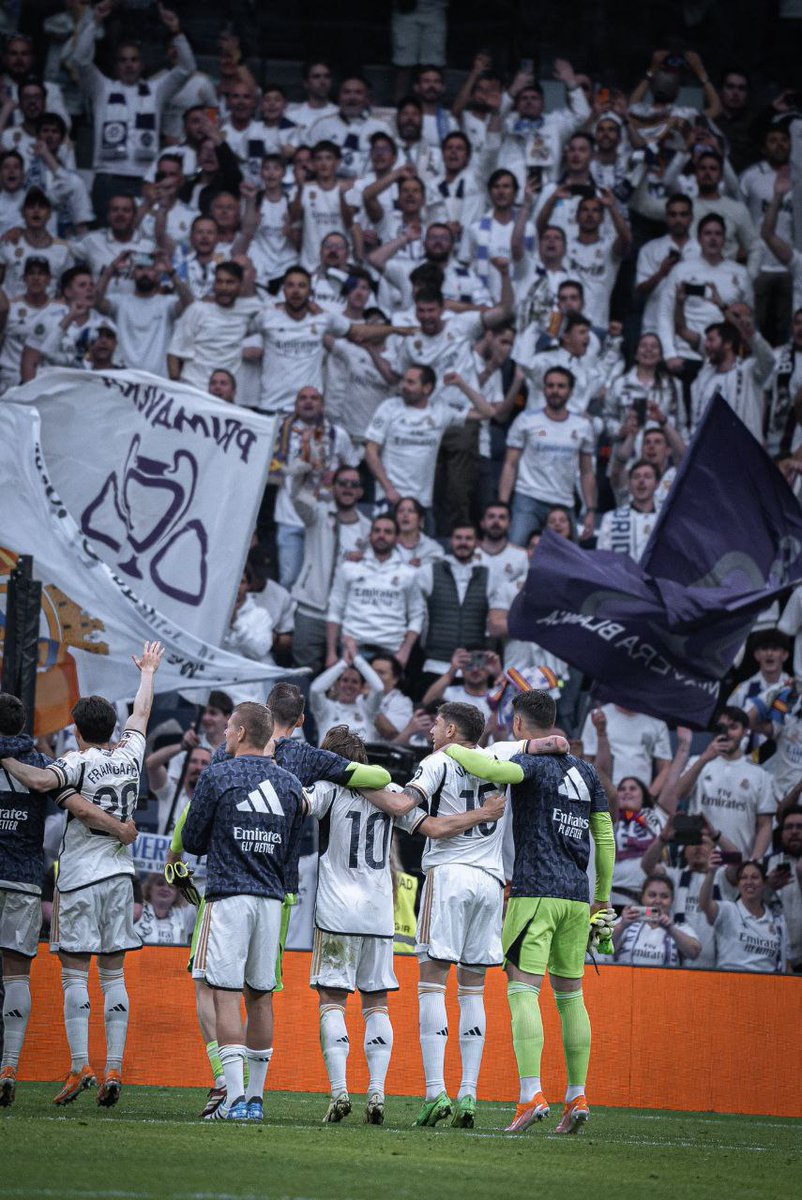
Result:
pixel 460 917
pixel 350 962
pixel 20 922
pixel 238 943
pixel 98 919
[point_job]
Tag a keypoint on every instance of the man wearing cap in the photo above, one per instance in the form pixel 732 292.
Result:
pixel 145 319
pixel 18 317
pixel 101 354
pixel 31 239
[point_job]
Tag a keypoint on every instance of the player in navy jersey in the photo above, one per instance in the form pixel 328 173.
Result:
pixel 246 816
pixel 93 907
pixel 22 825
pixel 309 765
pixel 557 804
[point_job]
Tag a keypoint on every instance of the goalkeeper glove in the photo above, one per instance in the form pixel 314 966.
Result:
pixel 601 930
pixel 178 875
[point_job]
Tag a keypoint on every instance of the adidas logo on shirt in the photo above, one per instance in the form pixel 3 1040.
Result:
pixel 262 800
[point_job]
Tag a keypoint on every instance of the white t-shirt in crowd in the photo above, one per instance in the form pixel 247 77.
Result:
pixel 209 337
pixel 635 741
pixel 595 265
pixel 748 943
pixel 449 350
pixel 731 795
pixel 144 326
pixel 409 439
pixel 510 565
pixel 293 353
pixel 650 257
pixel 547 468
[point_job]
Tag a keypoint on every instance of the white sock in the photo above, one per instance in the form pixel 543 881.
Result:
pixel 233 1060
pixel 529 1088
pixel 16 1010
pixel 472 1027
pixel 258 1062
pixel 76 1016
pixel 335 1046
pixel 378 1047
pixel 115 1015
pixel 433 1026
pixel 571 1093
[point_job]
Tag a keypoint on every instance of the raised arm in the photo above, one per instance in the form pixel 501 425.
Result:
pixel 147 666
pixel 706 902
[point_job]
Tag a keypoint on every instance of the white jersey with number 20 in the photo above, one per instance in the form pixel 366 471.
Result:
pixel 109 779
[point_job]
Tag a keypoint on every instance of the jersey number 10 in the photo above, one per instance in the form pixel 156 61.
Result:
pixel 377 829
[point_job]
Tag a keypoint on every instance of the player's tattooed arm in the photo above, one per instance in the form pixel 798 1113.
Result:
pixel 443 827
pixel 395 804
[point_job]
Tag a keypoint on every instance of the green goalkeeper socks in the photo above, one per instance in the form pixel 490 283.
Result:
pixel 213 1054
pixel 527 1027
pixel 576 1035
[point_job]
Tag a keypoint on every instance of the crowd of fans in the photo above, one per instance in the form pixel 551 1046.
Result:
pixel 473 318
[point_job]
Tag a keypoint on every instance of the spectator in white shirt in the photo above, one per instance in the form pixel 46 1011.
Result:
pixel 377 600
pixel 594 255
pixel 403 438
pixel 335 530
pixel 127 109
pixel 708 283
pixel 749 935
pixel 657 258
pixel 640 746
pixel 318 102
pixel 627 529
pixel 545 451
pixel 145 319
pixel 347 693
pixel 164 785
pixel 414 546
pixel 738 365
pixel 394 722
pixel 770 652
pixel 101 247
pixel 471 677
pixel 734 795
pixel 506 562
pixel 210 333
pixel 654 938
pixel 309 436
pixel 350 127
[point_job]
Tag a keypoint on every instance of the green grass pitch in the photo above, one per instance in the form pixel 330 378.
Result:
pixel 152 1147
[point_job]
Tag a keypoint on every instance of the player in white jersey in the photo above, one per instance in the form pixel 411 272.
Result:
pixel 461 911
pixel 94 900
pixel 354 924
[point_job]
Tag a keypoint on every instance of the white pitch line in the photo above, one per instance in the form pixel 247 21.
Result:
pixel 498 1135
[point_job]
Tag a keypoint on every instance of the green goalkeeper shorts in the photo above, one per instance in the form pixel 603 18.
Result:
pixel 287 906
pixel 543 933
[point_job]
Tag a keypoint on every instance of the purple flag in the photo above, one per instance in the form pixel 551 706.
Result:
pixel 658 636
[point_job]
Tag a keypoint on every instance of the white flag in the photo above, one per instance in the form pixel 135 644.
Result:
pixel 164 481
pixel 97 614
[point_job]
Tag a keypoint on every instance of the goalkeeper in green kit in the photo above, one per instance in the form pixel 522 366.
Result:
pixel 558 803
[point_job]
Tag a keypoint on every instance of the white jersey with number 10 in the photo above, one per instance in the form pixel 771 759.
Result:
pixel 354 883
pixel 109 779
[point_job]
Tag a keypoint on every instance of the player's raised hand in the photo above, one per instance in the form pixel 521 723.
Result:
pixel 151 657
